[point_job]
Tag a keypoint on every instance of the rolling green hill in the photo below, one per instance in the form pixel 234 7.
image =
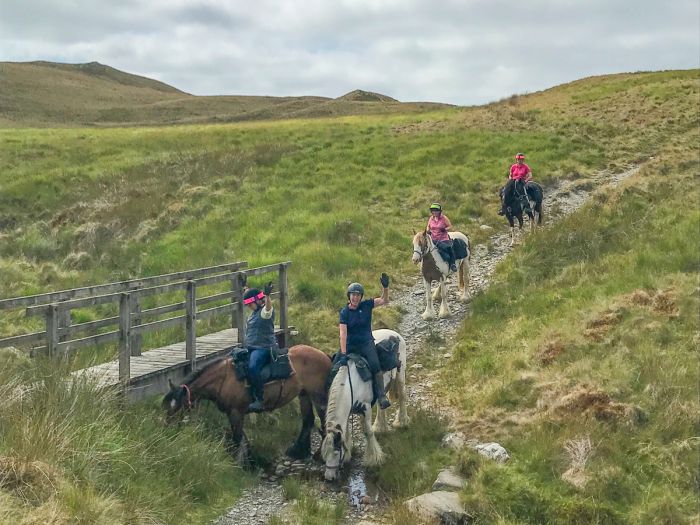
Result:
pixel 40 94
pixel 585 343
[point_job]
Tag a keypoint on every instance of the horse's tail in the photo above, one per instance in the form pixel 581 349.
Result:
pixel 540 205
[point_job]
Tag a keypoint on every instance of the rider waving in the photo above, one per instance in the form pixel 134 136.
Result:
pixel 519 175
pixel 355 327
pixel 259 339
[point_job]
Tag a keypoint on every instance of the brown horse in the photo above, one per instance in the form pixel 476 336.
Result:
pixel 217 382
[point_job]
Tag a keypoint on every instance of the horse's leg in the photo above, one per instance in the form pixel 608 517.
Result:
pixel 428 313
pixel 238 438
pixel 436 293
pixel 302 446
pixel 380 424
pixel 399 391
pixel 373 452
pixel 444 308
pixel 464 280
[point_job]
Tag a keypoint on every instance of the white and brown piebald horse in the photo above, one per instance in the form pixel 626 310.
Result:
pixel 435 268
pixel 349 394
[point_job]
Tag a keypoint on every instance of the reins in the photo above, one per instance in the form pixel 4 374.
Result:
pixel 188 400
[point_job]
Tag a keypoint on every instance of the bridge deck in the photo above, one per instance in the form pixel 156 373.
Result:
pixel 151 370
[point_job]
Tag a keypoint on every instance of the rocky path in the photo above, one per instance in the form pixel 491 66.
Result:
pixel 260 503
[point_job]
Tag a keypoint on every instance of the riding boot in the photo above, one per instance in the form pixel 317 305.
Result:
pixel 378 384
pixel 256 392
pixel 453 266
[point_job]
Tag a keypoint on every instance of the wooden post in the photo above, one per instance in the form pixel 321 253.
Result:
pixel 52 323
pixel 191 324
pixel 124 339
pixel 135 321
pixel 283 304
pixel 63 322
pixel 240 312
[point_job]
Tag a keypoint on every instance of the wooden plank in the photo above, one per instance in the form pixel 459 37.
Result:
pixel 75 303
pixel 92 340
pixel 164 323
pixel 209 312
pixel 165 309
pixel 117 287
pixel 19 340
pixel 124 338
pixel 90 325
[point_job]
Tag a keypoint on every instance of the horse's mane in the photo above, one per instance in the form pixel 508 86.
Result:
pixel 335 395
pixel 197 373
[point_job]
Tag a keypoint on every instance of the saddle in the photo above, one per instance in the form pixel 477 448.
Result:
pixel 278 368
pixel 388 353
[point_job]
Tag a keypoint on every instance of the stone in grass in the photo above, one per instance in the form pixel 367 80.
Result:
pixel 493 451
pixel 454 440
pixel 448 479
pixel 442 506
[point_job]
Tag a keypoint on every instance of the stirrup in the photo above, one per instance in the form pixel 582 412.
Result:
pixel 256 406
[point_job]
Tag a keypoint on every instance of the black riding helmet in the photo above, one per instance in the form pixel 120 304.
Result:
pixel 251 295
pixel 356 288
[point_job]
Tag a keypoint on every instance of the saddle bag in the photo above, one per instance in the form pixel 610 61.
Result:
pixel 280 367
pixel 460 248
pixel 239 358
pixel 388 353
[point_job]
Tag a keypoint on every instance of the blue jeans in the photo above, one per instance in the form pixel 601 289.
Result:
pixel 259 357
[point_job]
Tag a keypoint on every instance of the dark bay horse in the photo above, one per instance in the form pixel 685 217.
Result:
pixel 217 382
pixel 514 205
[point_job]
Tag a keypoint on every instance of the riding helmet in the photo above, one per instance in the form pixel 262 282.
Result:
pixel 251 295
pixel 436 206
pixel 519 156
pixel 356 288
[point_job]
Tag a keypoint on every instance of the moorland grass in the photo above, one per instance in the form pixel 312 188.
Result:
pixel 591 332
pixel 339 198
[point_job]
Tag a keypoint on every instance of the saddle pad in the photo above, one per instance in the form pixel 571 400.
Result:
pixel 278 368
pixel 460 248
pixel 360 364
pixel 388 353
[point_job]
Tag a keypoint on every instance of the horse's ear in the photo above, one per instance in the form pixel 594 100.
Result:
pixel 414 231
pixel 170 384
pixel 338 427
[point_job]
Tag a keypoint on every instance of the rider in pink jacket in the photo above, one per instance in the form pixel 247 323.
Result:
pixel 520 174
pixel 438 226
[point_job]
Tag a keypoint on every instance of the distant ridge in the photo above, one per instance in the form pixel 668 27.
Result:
pixel 50 94
pixel 366 96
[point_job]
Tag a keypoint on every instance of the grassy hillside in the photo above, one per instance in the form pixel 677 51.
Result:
pixel 339 197
pixel 39 94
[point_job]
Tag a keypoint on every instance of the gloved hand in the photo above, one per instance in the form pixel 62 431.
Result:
pixel 384 279
pixel 443 230
pixel 343 359
pixel 268 288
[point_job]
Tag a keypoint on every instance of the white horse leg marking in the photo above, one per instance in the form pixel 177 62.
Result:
pixel 380 424
pixel 444 308
pixel 401 419
pixel 512 235
pixel 428 313
pixel 373 452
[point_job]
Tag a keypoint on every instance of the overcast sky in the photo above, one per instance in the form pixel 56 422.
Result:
pixel 460 52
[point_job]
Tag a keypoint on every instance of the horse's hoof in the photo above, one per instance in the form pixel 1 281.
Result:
pixel 444 315
pixel 427 315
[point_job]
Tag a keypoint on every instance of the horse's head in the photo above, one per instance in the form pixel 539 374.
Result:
pixel 333 451
pixel 421 246
pixel 177 398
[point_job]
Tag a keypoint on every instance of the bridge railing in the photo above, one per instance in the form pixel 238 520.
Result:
pixel 59 337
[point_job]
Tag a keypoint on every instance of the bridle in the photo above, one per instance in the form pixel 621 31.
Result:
pixel 188 398
pixel 428 249
pixel 342 443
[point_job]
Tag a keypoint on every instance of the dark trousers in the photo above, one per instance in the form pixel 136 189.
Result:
pixel 369 352
pixel 259 357
pixel 447 248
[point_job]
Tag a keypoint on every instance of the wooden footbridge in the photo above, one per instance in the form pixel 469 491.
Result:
pixel 140 373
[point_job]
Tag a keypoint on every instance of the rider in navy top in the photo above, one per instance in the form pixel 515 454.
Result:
pixel 259 340
pixel 355 327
